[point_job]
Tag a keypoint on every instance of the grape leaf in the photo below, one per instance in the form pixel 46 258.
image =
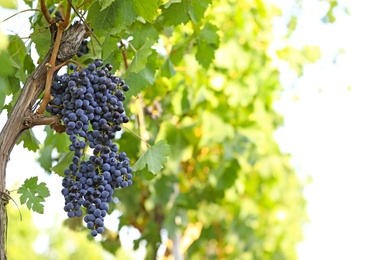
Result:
pixel 63 163
pixel 29 140
pixel 146 9
pixel 109 46
pixel 58 141
pixel 175 14
pixel 178 51
pixel 114 59
pixel 17 51
pixel 140 58
pixel 153 158
pixel 211 123
pixel 3 92
pixel 140 32
pixel 41 38
pixel 196 9
pixel 105 3
pixel 209 34
pixel 208 43
pixel 33 194
pixel 112 18
pixel 146 174
pixel 6 67
pixel 142 79
pixel 28 2
pixel 205 54
pixel 45 158
pixel 167 70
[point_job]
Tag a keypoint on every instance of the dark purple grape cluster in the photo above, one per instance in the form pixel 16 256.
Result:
pixel 90 103
pixel 83 49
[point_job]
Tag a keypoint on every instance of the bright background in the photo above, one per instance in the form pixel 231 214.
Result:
pixel 336 128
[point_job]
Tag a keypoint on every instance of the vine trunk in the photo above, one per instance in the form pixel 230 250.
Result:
pixel 22 115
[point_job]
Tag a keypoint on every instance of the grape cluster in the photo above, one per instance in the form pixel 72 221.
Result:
pixel 83 49
pixel 90 103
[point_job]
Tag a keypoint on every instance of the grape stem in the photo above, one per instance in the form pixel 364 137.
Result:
pixel 51 66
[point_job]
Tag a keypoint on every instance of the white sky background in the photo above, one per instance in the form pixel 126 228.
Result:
pixel 342 138
pixel 339 137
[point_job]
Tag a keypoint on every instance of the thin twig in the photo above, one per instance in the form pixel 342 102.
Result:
pixel 50 71
pixel 27 10
pixel 84 22
pixel 137 135
pixel 51 66
pixel 46 13
pixel 124 54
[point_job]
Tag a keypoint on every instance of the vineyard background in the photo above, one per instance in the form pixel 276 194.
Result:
pixel 217 77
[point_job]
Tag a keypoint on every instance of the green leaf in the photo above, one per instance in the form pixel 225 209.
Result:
pixel 42 40
pixel 176 137
pixel 115 59
pixel 209 34
pixel 179 50
pixel 17 51
pixel 8 107
pixel 153 158
pixel 33 194
pixel 105 3
pixel 142 79
pixel 214 129
pixel 175 14
pixel 3 91
pixel 167 70
pixel 141 32
pixel 45 158
pixel 112 242
pixel 29 140
pixel 140 58
pixel 63 163
pixel 58 141
pixel 208 43
pixel 196 9
pixel 146 9
pixel 146 174
pixel 28 2
pixel 109 45
pixel 6 68
pixel 205 54
pixel 112 18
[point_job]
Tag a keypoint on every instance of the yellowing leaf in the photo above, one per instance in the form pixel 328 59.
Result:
pixel 11 4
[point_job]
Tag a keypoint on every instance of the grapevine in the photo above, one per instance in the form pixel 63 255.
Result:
pixel 90 102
